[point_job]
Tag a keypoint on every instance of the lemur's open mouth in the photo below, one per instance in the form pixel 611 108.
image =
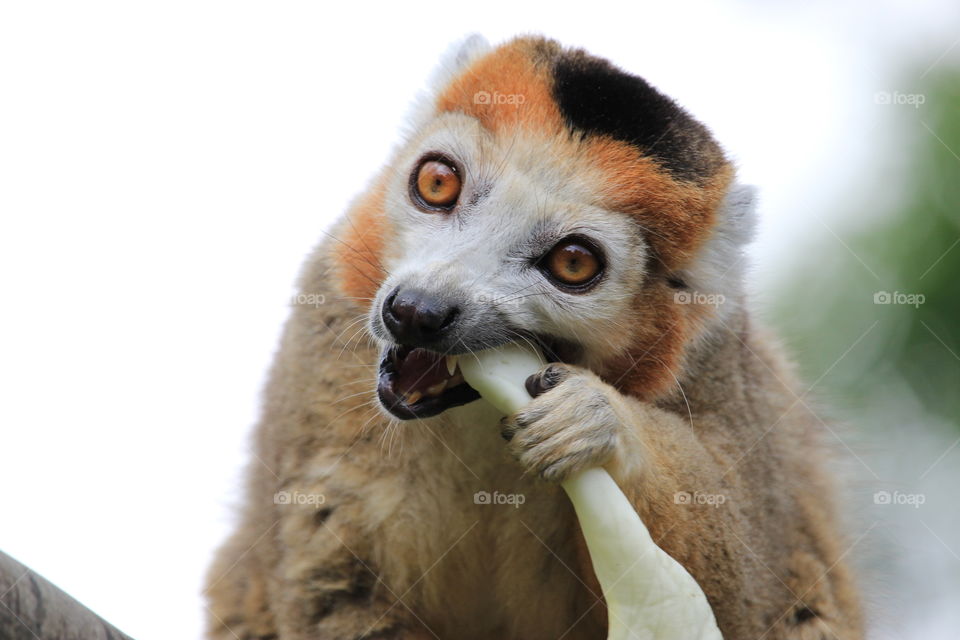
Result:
pixel 418 383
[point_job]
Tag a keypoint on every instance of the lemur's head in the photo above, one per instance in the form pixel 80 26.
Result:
pixel 543 195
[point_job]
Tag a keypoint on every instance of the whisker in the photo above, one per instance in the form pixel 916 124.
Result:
pixel 352 323
pixel 364 258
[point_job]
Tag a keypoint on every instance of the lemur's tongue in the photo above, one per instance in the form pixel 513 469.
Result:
pixel 422 373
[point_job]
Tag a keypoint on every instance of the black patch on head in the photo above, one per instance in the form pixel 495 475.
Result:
pixel 596 98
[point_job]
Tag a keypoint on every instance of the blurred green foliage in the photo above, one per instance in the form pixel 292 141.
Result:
pixel 861 350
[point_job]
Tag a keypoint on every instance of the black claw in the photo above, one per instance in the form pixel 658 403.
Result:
pixel 533 385
pixel 543 380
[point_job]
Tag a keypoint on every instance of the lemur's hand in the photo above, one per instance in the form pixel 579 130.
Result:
pixel 574 422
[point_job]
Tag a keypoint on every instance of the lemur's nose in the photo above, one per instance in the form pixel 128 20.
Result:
pixel 417 318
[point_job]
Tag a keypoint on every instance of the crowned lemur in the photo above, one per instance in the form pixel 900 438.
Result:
pixel 541 195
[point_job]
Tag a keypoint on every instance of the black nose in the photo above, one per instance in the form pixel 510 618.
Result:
pixel 417 318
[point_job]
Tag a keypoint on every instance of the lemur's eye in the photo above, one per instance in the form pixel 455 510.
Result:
pixel 572 263
pixel 437 185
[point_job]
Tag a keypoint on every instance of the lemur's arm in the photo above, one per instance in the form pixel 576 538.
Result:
pixel 577 421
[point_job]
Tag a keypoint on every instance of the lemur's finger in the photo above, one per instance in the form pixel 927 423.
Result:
pixel 546 379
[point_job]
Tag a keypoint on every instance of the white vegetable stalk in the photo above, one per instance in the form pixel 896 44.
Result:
pixel 649 595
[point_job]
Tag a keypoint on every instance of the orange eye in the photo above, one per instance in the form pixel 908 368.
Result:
pixel 437 184
pixel 572 263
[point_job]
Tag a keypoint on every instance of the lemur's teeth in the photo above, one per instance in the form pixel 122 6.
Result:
pixel 412 397
pixel 451 364
pixel 437 389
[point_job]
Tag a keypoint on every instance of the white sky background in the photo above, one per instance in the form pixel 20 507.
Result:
pixel 164 169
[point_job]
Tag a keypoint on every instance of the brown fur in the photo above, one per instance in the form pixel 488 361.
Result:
pixel 360 249
pixel 399 549
pixel 677 214
pixel 514 69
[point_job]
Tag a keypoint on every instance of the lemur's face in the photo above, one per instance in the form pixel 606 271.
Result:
pixel 550 216
pixel 497 241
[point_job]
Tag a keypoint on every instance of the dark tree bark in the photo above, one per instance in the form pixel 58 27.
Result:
pixel 31 608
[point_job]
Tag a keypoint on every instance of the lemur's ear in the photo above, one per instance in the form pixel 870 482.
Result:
pixel 453 61
pixel 457 56
pixel 737 222
pixel 719 265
